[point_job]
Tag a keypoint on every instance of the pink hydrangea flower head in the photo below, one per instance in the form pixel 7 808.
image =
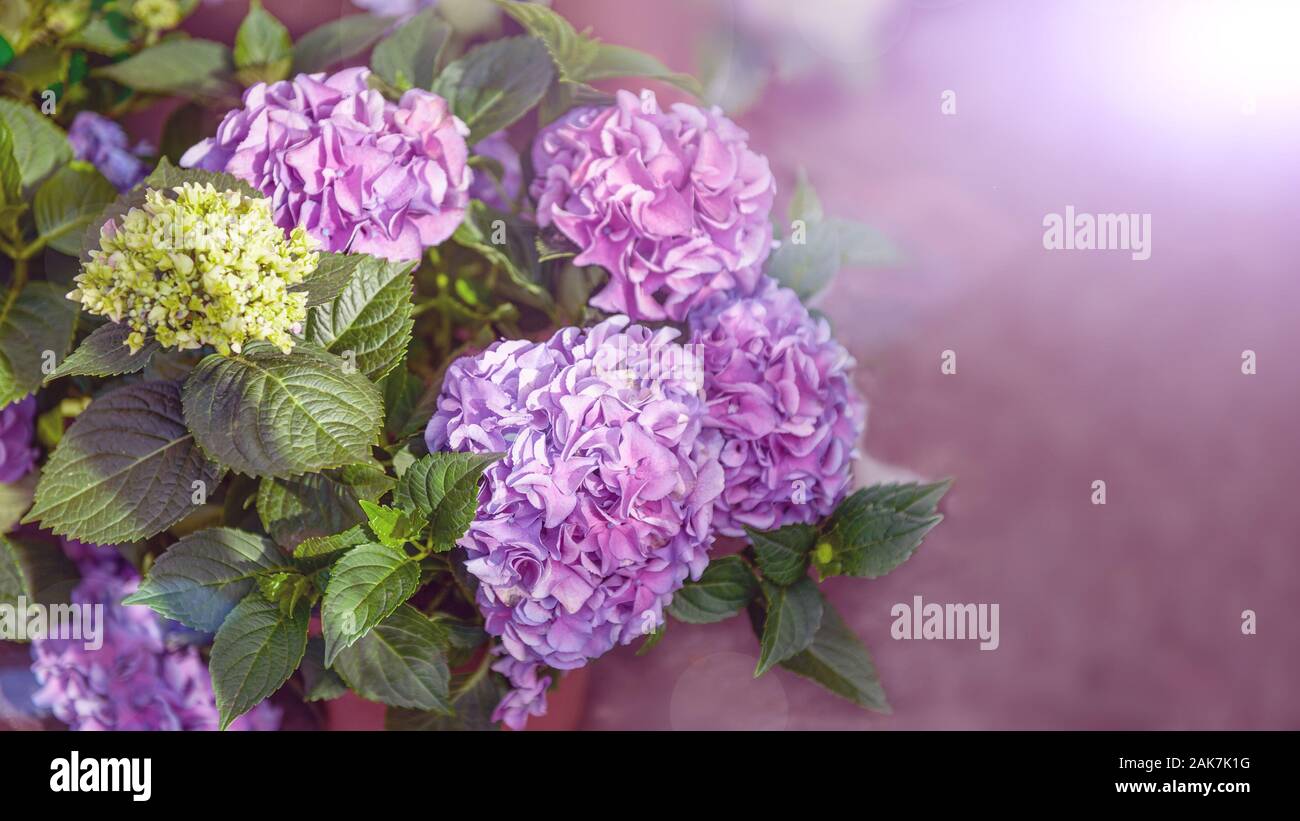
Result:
pixel 780 390
pixel 601 506
pixel 358 172
pixel 673 204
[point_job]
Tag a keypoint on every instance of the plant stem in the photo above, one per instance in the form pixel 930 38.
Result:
pixel 15 287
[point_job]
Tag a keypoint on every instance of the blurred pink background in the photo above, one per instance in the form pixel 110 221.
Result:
pixel 1073 366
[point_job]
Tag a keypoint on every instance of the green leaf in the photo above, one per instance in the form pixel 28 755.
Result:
pixel 36 569
pixel 201 578
pixel 39 145
pixel 461 638
pixel 13 583
pixel 399 663
pixel 563 96
pixel 262 42
pixel 35 332
pixel 365 587
pixel 68 202
pixel 789 622
pixel 390 525
pixel 319 683
pixel 100 36
pixel 167 176
pixel 408 404
pixel 105 353
pixel 408 58
pixel 511 246
pixel 878 528
pixel 783 554
pixel 619 61
pixel 331 275
pixel 336 41
pixel 16 499
pixel 369 323
pixel 11 181
pixel 256 650
pixel 572 52
pixel 126 469
pixel 318 504
pixel 264 413
pixel 319 552
pixel 287 590
pixel 496 83
pixel 186 66
pixel 808 260
pixel 40 67
pixel 838 661
pixel 403 458
pixel 726 586
pixel 819 246
pixel 474 697
pixel 582 59
pixel 443 488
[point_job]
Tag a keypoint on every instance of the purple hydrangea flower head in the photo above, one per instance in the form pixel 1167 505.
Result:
pixel 673 204
pixel 17 422
pixel 503 193
pixel 102 143
pixel 780 390
pixel 601 506
pixel 137 679
pixel 358 172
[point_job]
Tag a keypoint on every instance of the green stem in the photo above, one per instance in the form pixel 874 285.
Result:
pixel 427 305
pixel 16 287
pixel 36 247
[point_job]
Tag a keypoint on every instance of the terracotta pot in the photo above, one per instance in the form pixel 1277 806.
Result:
pixel 566 706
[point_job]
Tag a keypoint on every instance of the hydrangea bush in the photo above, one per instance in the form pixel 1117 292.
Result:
pixel 411 364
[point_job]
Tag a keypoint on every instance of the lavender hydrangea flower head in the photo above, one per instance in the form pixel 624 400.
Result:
pixel 102 143
pixel 17 422
pixel 358 172
pixel 498 194
pixel 601 506
pixel 780 390
pixel 673 204
pixel 138 679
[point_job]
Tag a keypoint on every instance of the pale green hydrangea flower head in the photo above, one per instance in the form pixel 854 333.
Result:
pixel 206 267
